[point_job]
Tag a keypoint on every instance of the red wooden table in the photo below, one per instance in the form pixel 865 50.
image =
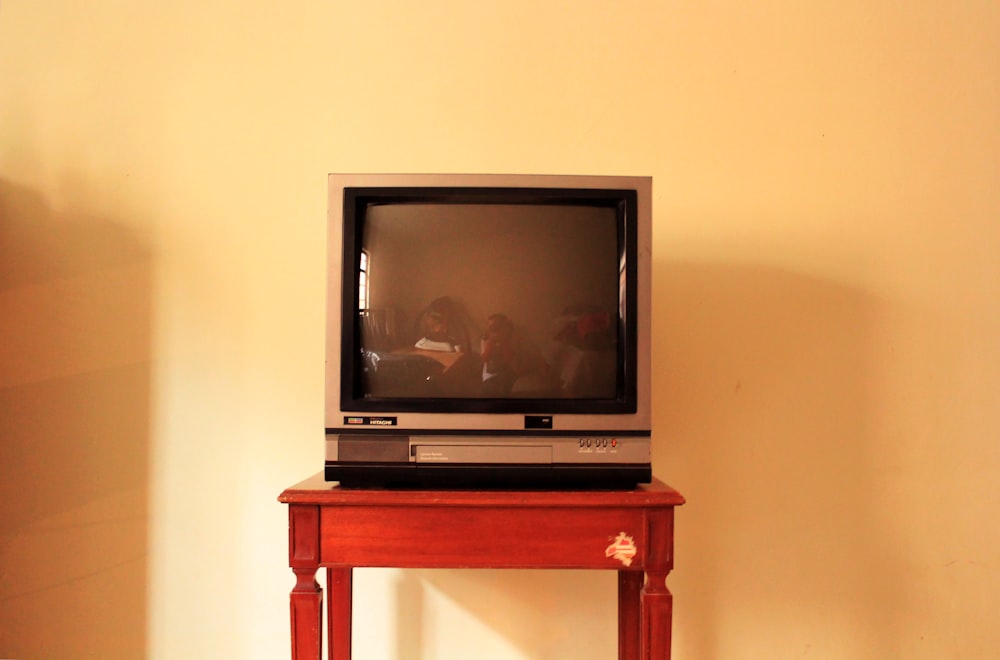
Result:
pixel 630 531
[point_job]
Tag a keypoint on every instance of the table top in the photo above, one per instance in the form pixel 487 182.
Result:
pixel 316 490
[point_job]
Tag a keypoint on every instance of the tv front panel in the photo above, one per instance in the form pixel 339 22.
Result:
pixel 488 329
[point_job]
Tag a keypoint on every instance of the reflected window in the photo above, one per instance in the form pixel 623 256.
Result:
pixel 363 282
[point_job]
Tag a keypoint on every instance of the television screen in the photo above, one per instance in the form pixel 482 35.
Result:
pixel 499 298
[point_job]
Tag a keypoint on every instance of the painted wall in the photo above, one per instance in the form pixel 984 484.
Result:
pixel 826 309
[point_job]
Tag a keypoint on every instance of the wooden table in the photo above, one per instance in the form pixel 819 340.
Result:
pixel 630 531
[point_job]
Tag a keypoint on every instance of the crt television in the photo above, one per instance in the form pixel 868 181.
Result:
pixel 488 330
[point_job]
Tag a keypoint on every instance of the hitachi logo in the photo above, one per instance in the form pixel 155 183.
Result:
pixel 369 421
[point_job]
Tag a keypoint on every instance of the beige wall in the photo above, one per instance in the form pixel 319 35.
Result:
pixel 827 367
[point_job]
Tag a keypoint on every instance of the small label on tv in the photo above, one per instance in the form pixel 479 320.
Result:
pixel 538 421
pixel 359 420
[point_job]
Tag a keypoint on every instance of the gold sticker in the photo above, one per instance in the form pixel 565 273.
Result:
pixel 622 548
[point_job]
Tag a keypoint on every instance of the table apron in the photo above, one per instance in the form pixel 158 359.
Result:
pixel 615 538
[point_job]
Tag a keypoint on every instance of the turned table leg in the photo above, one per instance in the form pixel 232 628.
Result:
pixel 306 610
pixel 656 602
pixel 306 599
pixel 656 610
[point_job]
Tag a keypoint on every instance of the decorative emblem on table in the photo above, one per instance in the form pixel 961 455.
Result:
pixel 622 548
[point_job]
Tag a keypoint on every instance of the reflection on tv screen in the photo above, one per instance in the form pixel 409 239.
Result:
pixel 490 301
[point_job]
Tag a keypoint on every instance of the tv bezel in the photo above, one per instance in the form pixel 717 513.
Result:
pixel 350 195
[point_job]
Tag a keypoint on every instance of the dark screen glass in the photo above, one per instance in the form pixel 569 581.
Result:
pixel 489 301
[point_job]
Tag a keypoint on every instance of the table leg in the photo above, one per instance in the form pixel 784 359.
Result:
pixel 656 609
pixel 306 611
pixel 629 586
pixel 339 588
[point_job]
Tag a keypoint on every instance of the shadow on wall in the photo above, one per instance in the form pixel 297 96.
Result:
pixel 763 421
pixel 763 391
pixel 75 300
